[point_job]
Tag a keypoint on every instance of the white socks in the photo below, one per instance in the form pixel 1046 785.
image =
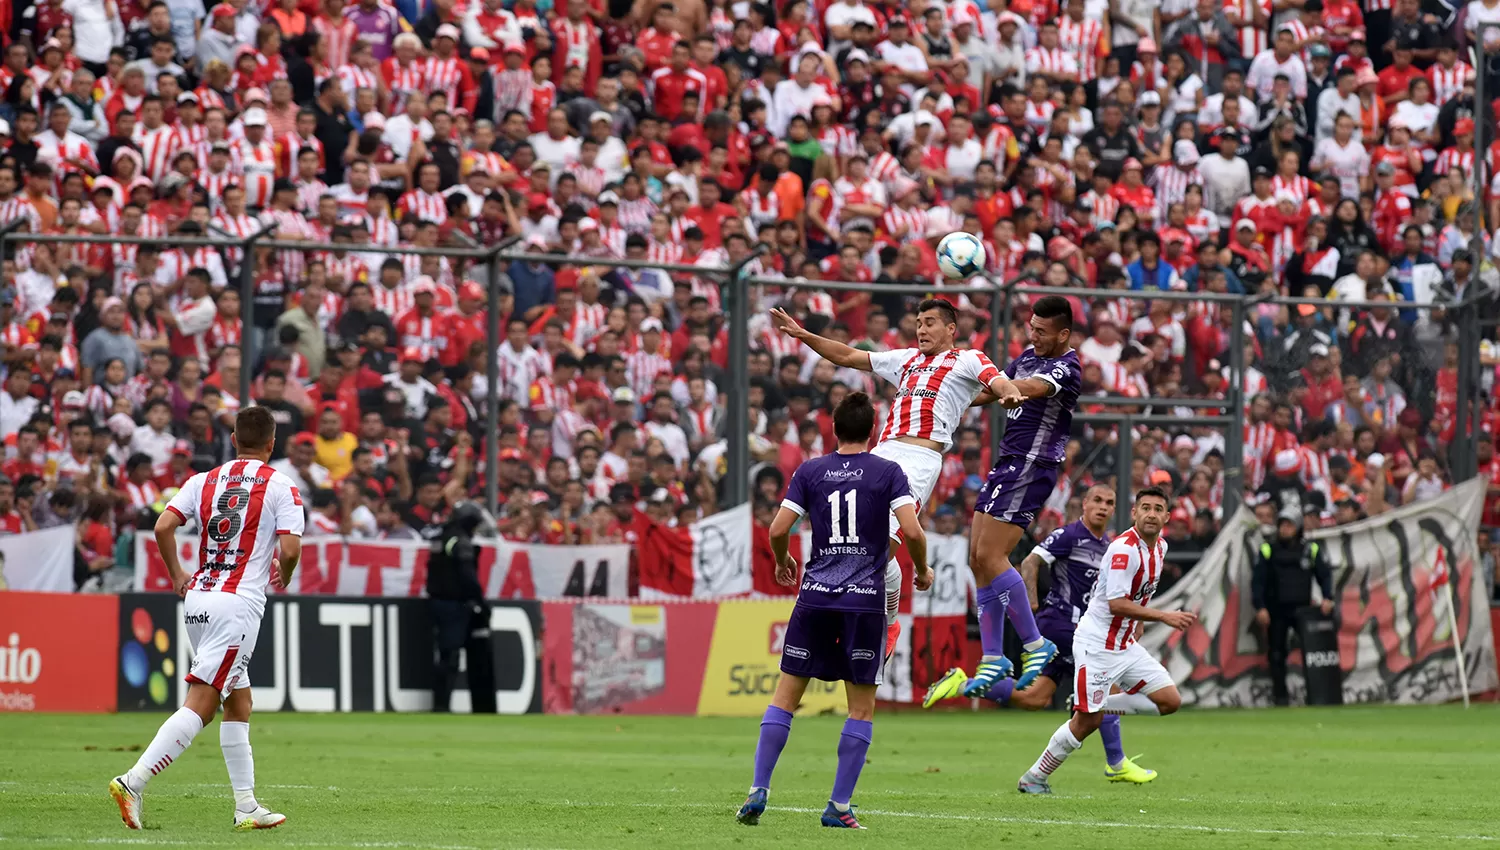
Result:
pixel 171 739
pixel 892 590
pixel 1130 704
pixel 234 740
pixel 1062 745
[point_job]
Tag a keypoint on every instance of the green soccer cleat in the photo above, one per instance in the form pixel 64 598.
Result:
pixel 951 685
pixel 1129 771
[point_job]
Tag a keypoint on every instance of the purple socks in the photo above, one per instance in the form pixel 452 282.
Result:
pixel 775 726
pixel 1000 691
pixel 854 743
pixel 1003 598
pixel 1109 732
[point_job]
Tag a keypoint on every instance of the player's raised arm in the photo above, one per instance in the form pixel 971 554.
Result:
pixel 831 350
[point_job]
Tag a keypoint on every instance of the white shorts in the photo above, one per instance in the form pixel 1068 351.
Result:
pixel 1097 671
pixel 222 628
pixel 922 467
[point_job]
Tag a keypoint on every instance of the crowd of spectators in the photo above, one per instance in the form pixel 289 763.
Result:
pixel 1307 148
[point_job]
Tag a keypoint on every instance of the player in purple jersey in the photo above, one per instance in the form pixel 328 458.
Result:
pixel 1073 553
pixel 837 629
pixel 1049 378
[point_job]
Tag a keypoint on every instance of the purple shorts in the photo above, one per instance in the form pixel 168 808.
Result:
pixel 1017 490
pixel 835 645
pixel 1058 627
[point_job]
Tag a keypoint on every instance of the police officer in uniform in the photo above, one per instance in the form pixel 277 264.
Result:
pixel 460 617
pixel 1281 585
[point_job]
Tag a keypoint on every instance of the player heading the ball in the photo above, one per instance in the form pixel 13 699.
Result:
pixel 837 628
pixel 248 515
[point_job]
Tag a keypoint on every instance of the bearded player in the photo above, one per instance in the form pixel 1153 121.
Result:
pixel 1049 378
pixel 935 384
pixel 247 513
pixel 1116 675
pixel 1073 553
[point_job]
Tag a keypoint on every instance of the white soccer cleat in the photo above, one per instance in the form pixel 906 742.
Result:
pixel 129 801
pixel 261 818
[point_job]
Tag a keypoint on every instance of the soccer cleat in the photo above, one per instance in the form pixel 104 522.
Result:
pixel 986 675
pixel 892 632
pixel 945 688
pixel 1129 771
pixel 1032 784
pixel 261 818
pixel 840 820
pixel 129 801
pixel 755 806
pixel 1033 661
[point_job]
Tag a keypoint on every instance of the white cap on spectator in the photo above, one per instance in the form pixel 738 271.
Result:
pixel 373 121
pixel 254 118
pixel 1183 441
pixel 856 55
pixel 607 198
pixel 587 224
pixel 256 93
pixel 447 31
pixel 651 323
pixel 72 400
pixel 1184 152
pixel 1287 461
pixel 1244 224
pixel 624 395
pixel 1318 349
pixel 1148 98
pixel 601 115
pixel 4 127
pixel 424 285
pixel 1375 459
pixel 121 425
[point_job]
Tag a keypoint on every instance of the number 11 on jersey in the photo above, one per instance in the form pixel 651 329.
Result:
pixel 847 533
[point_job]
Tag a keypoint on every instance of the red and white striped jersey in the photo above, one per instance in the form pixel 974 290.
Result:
pixel 1451 158
pixel 16 206
pixel 290 225
pixel 1253 39
pixel 1083 40
pixel 392 302
pixel 836 140
pixel 1448 83
pixel 1300 187
pixel 1302 34
pixel 1170 184
pixel 347 268
pixel 914 220
pixel 427 334
pixel 886 168
pixel 141 495
pixel 157 147
pixel 241 508
pixel 932 390
pixel 64 153
pixel 418 204
pixel 190 136
pixel 353 78
pixel 589 178
pixel 1314 473
pixel 1130 570
pixel 444 75
pixel 338 38
pixel 1054 61
pixel 1260 439
pixel 641 369
pixel 202 149
pixel 664 252
pixel 1106 207
pixel 290 146
pixel 258 162
pixel 402 80
pixel 546 395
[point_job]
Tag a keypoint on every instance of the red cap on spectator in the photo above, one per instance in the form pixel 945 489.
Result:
pixel 514 47
pixel 424 285
pixel 223 10
pixel 537 199
pixel 479 54
pixel 1463 126
pixel 539 497
pixel 1059 247
pixel 1180 514
pixel 183 447
pixel 471 291
pixel 1130 163
pixel 304 439
pixel 1161 476
pixel 511 454
pixel 566 280
pixel 412 353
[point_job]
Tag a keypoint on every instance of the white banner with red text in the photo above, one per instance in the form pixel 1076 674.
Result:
pixel 1392 609
pixel 38 560
pixel 346 567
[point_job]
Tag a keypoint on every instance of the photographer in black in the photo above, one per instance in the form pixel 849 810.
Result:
pixel 460 617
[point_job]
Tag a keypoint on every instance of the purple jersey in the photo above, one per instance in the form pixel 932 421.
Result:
pixel 1038 430
pixel 1074 554
pixel 379 27
pixel 848 500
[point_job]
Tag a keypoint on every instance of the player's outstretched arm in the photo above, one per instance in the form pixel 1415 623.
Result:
pixel 915 540
pixel 781 543
pixel 829 349
pixel 291 553
pixel 1123 607
pixel 166 543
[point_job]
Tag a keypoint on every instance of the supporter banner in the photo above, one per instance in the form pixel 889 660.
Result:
pixel 1395 643
pixel 323 654
pixel 341 567
pixel 625 659
pixel 952 583
pixel 57 651
pixel 709 559
pixel 38 560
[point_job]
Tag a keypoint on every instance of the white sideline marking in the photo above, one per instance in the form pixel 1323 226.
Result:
pixel 174 842
pixel 1171 827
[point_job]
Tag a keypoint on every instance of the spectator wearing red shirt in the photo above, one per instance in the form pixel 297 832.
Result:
pixel 1324 386
pixel 24 463
pixel 1132 192
pixel 710 213
pixel 670 84
pixel 1341 18
pixel 329 389
pixel 658 40
pixel 1395 80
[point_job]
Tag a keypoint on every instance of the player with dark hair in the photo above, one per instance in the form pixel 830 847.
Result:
pixel 837 629
pixel 1116 675
pixel 246 513
pixel 1073 552
pixel 1048 377
pixel 935 384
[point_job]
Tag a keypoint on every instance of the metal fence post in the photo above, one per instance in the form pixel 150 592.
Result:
pixel 1126 449
pixel 1234 443
pixel 492 379
pixel 737 411
pixel 248 351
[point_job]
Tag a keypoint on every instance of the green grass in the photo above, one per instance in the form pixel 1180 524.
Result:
pixel 1300 778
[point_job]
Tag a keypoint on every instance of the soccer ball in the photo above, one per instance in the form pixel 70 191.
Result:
pixel 960 255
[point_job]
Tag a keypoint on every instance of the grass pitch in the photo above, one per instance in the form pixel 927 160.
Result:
pixel 1304 778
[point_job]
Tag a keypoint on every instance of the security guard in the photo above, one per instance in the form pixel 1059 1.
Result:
pixel 1281 586
pixel 460 617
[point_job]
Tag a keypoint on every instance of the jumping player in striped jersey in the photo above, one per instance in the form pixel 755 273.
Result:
pixel 1049 378
pixel 935 384
pixel 1115 675
pixel 248 515
pixel 1073 552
